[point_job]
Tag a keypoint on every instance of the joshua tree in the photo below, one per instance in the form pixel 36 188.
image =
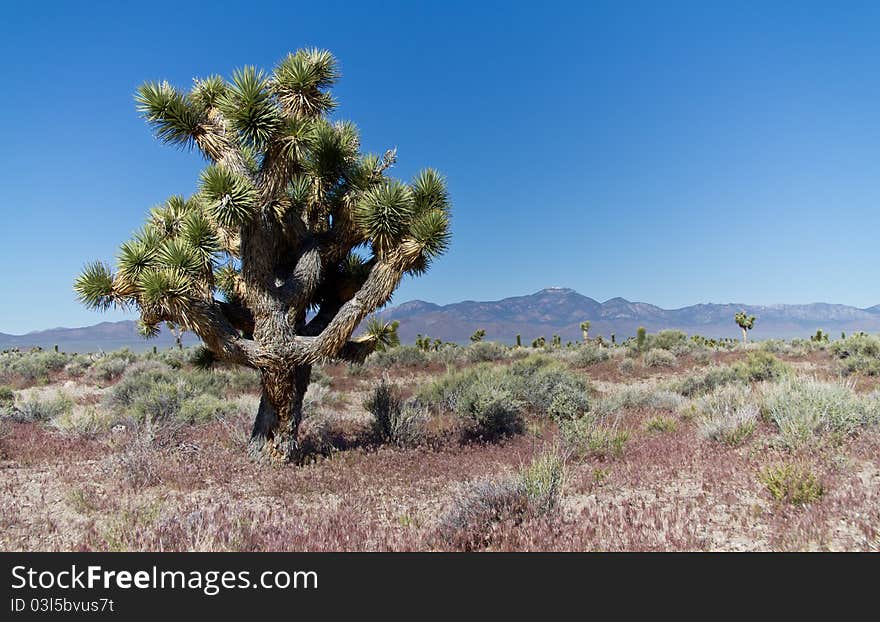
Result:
pixel 641 338
pixel 177 332
pixel 286 201
pixel 585 329
pixel 819 337
pixel 478 335
pixel 519 341
pixel 745 322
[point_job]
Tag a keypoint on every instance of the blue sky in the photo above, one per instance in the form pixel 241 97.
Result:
pixel 672 153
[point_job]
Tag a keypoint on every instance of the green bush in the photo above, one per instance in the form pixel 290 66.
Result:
pixel 204 407
pixel 760 366
pixel 793 483
pixel 660 357
pixel 488 411
pixel 661 423
pixel 858 354
pixel 637 397
pixel 30 367
pixel 588 437
pixel 543 481
pixel 485 351
pixel 706 381
pixel 543 385
pixel 35 410
pixel 802 408
pixel 401 356
pixel 385 404
pixel 589 354
pixel 7 395
pixel 667 340
pixel 728 415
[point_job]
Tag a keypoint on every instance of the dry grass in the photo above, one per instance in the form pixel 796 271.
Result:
pixel 190 486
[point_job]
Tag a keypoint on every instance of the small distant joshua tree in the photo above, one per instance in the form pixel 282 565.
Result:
pixel 745 322
pixel 478 335
pixel 289 217
pixel 641 338
pixel 519 341
pixel 585 329
pixel 819 337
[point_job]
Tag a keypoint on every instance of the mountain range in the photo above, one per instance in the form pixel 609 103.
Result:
pixel 555 310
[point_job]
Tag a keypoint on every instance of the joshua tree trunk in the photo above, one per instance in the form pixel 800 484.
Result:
pixel 745 335
pixel 277 422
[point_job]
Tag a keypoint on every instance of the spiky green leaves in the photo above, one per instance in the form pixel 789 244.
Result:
pixel 248 107
pixel 148 330
pixel 384 214
pixel 416 216
pixel 208 92
pixel 172 115
pixel 201 236
pixel 383 334
pixel 300 79
pixel 333 150
pixel 135 257
pixel 94 286
pixel 431 231
pixel 229 197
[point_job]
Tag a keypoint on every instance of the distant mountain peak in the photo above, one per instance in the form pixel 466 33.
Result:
pixel 556 290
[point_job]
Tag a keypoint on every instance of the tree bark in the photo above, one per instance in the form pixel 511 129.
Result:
pixel 276 427
pixel 745 336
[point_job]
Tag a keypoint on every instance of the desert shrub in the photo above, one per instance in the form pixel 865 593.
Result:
pixel 485 351
pixel 568 403
pixel 626 366
pixel 136 464
pixel 660 357
pixel 77 367
pixel 112 365
pixel 385 404
pixel 589 354
pixel 7 396
pixel 759 366
pixel 488 411
pixel 543 481
pixel 703 382
pixel 792 483
pixel 316 436
pixel 469 523
pixel 634 396
pixel 88 421
pixel 536 490
pixel 204 407
pixel 534 382
pixel 30 367
pixel 202 358
pixel 802 408
pixel 175 358
pixel 35 409
pixel 859 353
pixel 401 356
pixel 666 340
pixel 537 380
pixel 237 380
pixel 728 415
pixel 661 423
pixel 586 436
pixel 404 424
pixel 154 391
pixel 411 428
